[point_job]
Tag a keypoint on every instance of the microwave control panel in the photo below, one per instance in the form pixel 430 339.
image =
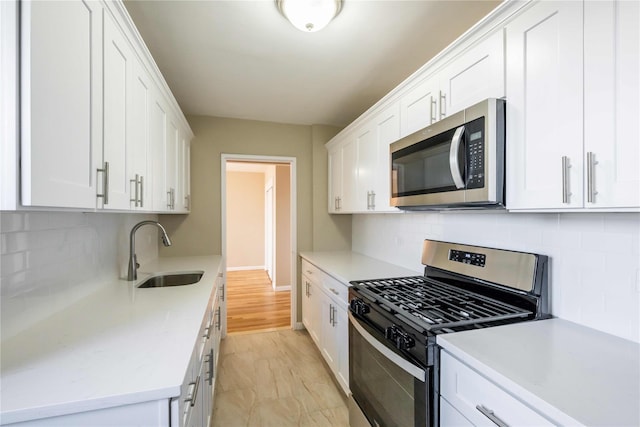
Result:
pixel 475 153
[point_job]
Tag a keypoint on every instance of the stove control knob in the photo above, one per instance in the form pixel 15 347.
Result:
pixel 391 333
pixel 359 307
pixel 404 342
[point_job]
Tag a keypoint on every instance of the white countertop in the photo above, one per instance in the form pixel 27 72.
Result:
pixel 346 266
pixel 120 345
pixel 571 373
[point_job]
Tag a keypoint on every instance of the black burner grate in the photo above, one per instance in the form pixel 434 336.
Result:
pixel 436 305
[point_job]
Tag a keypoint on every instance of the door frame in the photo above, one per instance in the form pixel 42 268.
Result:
pixel 250 158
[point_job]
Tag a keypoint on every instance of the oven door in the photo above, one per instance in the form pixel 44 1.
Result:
pixel 388 389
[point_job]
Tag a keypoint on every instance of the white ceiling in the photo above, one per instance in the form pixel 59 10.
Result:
pixel 242 59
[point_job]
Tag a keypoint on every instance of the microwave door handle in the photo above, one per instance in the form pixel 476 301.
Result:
pixel 454 164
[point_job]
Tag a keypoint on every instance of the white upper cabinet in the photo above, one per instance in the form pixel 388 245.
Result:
pixel 544 107
pixel 365 171
pixel 472 75
pixel 61 103
pixel 158 126
pixel 335 178
pixel 572 107
pixel 185 172
pixel 387 131
pixel 611 104
pixel 139 151
pixel 9 58
pixel 171 163
pixel 419 106
pixel 117 75
pixel 93 107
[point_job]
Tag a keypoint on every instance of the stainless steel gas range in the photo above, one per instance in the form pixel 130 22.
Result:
pixel 393 324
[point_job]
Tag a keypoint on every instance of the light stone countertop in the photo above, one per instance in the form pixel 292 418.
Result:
pixel 346 266
pixel 121 345
pixel 572 374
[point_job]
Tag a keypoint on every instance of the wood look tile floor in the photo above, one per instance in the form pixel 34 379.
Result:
pixel 253 305
pixel 276 379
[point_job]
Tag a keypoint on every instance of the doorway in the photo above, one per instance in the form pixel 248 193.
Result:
pixel 258 233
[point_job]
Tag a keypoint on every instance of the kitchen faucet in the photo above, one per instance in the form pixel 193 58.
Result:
pixel 133 264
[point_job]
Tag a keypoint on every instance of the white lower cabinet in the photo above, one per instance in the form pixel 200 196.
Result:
pixel 469 398
pixel 324 314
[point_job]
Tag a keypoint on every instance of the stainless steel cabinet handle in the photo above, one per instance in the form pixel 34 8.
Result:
pixel 454 164
pixel 105 184
pixel 219 324
pixel 187 201
pixel 135 191
pixel 194 396
pixel 432 111
pixel 566 194
pixel 490 414
pixel 331 314
pixel 368 200
pixel 373 200
pixel 141 192
pixel 591 184
pixel 443 102
pixel 222 289
pixel 334 291
pixel 211 367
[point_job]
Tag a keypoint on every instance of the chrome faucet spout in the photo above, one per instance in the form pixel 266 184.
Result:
pixel 132 273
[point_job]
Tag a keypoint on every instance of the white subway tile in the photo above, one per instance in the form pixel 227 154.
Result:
pixel 11 221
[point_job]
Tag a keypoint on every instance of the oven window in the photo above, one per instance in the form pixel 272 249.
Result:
pixel 423 168
pixel 387 394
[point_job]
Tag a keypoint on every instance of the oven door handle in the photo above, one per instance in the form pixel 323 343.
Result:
pixel 403 364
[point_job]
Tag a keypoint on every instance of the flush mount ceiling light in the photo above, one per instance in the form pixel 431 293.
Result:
pixel 309 15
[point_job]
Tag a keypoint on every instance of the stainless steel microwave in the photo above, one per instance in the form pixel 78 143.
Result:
pixel 456 163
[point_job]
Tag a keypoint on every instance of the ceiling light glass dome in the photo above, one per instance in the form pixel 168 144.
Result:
pixel 309 15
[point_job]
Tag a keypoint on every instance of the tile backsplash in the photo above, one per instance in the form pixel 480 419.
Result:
pixel 594 257
pixel 49 260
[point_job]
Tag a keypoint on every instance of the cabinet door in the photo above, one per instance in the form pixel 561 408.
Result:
pixel 172 159
pixel 342 341
pixel 117 72
pixel 138 149
pixel 185 172
pixel 365 175
pixel 476 74
pixel 544 108
pixel 9 146
pixel 611 110
pixel 313 297
pixel 335 178
pixel 329 339
pixel 61 98
pixel 349 175
pixel 419 106
pixel 387 131
pixel 158 144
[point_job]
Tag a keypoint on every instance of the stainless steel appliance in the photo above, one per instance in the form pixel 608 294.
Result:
pixel 455 163
pixel 393 324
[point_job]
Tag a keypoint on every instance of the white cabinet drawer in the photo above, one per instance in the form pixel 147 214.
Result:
pixel 469 392
pixel 336 289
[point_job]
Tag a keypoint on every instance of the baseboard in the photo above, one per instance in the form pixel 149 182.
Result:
pixel 282 288
pixel 250 267
pixel 298 326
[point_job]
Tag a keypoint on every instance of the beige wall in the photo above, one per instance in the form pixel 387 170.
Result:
pixel 245 219
pixel 199 233
pixel 283 226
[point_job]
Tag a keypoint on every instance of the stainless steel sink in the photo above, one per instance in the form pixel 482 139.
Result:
pixel 175 279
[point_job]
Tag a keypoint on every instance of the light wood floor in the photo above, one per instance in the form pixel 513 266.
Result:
pixel 253 305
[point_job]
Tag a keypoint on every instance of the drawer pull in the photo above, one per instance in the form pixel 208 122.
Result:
pixel 492 416
pixel 334 291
